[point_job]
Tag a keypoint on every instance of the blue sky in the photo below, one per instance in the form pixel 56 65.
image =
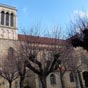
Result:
pixel 47 13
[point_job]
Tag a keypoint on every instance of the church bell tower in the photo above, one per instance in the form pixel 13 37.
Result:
pixel 8 22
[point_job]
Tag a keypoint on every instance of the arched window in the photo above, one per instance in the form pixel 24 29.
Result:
pixel 2 17
pixel 52 79
pixel 11 20
pixel 7 19
pixel 11 52
pixel 72 77
pixel 3 83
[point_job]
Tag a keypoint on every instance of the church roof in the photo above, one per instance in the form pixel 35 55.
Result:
pixel 41 40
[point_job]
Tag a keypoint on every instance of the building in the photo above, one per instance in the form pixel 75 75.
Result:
pixel 8 22
pixel 9 37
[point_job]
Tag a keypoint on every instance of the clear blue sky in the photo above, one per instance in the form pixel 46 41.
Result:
pixel 47 12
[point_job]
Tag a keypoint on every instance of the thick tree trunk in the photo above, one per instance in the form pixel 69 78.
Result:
pixel 80 80
pixel 76 79
pixel 21 82
pixel 62 80
pixel 10 84
pixel 43 81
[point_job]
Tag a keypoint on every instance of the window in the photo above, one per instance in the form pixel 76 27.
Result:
pixel 52 79
pixel 11 52
pixel 71 77
pixel 7 19
pixel 11 19
pixel 2 17
pixel 3 83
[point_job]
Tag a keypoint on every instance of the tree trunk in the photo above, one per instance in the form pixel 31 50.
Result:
pixel 76 79
pixel 62 81
pixel 10 84
pixel 80 80
pixel 43 81
pixel 21 82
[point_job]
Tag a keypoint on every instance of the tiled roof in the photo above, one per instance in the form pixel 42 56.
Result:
pixel 41 40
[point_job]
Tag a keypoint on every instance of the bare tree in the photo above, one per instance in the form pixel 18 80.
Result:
pixel 73 66
pixel 79 33
pixel 8 68
pixel 39 64
pixel 79 38
pixel 42 55
pixel 65 59
pixel 21 67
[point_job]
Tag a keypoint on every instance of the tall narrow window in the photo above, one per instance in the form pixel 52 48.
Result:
pixel 11 52
pixel 52 79
pixel 7 19
pixel 72 77
pixel 11 19
pixel 2 17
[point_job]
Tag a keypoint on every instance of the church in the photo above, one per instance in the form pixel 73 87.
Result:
pixel 9 36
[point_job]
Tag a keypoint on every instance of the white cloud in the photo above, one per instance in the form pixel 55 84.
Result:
pixel 80 13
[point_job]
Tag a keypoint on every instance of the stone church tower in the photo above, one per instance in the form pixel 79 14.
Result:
pixel 8 22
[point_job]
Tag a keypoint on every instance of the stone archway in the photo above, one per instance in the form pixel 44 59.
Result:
pixel 85 77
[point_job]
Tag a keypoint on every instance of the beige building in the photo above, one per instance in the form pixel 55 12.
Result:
pixel 9 37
